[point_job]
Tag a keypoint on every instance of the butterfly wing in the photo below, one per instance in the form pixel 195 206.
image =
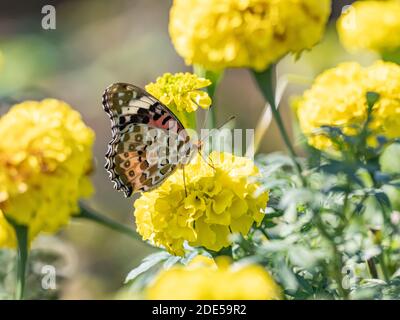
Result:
pixel 144 133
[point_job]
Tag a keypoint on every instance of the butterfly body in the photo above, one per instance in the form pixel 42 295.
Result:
pixel 148 141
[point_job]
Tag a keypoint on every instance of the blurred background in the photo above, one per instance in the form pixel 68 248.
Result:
pixel 96 43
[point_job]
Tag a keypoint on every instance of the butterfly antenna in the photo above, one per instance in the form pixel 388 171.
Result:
pixel 205 118
pixel 226 122
pixel 220 127
pixel 208 135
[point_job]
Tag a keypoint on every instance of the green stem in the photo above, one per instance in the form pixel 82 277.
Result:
pixel 265 81
pixel 215 78
pixel 90 214
pixel 384 261
pixel 213 110
pixel 21 232
pixel 337 266
pixel 372 268
pixel 213 118
pixel 384 268
pixel 343 217
pixel 264 232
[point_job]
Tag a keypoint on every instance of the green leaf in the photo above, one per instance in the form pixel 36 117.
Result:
pixel 171 261
pixel 147 263
pixel 372 98
pixel 21 232
pixel 390 159
pixel 383 199
pixel 391 56
pixel 287 277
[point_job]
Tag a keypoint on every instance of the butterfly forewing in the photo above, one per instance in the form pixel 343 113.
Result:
pixel 148 141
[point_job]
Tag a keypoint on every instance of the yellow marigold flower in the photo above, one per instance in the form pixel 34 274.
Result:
pixel 218 202
pixel 338 98
pixel 209 280
pixel 218 34
pixel 371 25
pixel 45 158
pixel 181 91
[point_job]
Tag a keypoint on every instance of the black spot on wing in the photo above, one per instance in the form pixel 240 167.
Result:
pixel 166 119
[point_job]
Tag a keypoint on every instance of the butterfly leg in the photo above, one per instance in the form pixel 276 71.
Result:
pixel 211 165
pixel 184 180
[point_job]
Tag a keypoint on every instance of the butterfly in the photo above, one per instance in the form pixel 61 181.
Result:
pixel 148 141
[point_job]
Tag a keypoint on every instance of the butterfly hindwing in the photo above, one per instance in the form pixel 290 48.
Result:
pixel 144 133
pixel 136 161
